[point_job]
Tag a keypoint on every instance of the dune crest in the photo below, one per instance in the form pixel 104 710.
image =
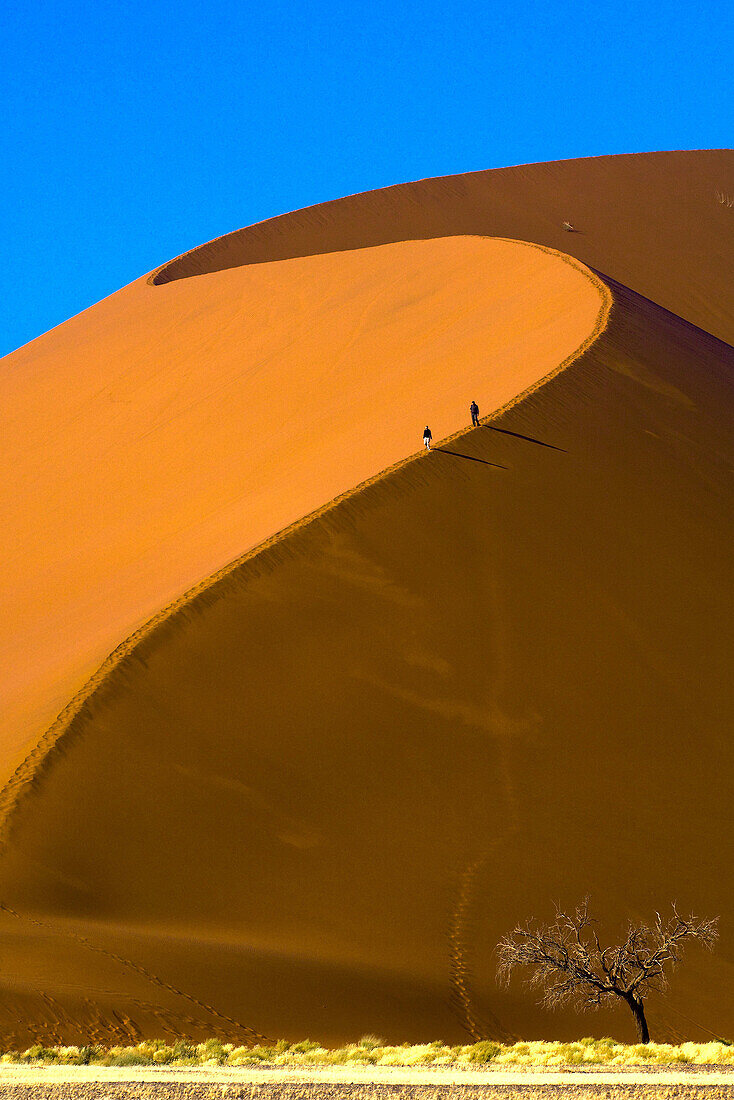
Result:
pixel 206 416
pixel 29 772
pixel 651 221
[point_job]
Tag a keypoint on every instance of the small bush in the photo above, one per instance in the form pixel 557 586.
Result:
pixel 306 1046
pixel 126 1058
pixel 212 1051
pixel 370 1042
pixel 484 1052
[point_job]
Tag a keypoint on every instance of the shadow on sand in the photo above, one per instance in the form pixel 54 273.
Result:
pixel 470 458
pixel 527 438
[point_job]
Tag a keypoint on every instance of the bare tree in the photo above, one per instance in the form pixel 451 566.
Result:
pixel 567 961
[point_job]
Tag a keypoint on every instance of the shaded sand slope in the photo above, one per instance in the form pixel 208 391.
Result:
pixel 314 797
pixel 653 221
pixel 155 437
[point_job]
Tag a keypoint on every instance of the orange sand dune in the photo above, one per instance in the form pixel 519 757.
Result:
pixel 206 414
pixel 310 798
pixel 161 433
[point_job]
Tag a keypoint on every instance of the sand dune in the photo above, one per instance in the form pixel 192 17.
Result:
pixel 314 794
pixel 158 435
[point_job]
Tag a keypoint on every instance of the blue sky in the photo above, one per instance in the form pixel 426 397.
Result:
pixel 135 130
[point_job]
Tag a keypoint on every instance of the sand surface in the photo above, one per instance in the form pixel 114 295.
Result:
pixel 312 798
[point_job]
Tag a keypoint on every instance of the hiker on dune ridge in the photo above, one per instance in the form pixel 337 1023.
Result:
pixel 474 410
pixel 427 437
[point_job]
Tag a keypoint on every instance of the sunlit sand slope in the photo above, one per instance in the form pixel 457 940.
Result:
pixel 661 223
pixel 312 799
pixel 152 439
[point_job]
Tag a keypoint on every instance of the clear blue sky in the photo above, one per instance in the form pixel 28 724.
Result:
pixel 137 129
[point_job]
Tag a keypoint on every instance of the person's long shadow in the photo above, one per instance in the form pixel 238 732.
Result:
pixel 470 458
pixel 527 438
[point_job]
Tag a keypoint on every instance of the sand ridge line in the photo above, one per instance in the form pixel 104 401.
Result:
pixel 53 740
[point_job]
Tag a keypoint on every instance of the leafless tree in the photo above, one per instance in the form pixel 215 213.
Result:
pixel 566 960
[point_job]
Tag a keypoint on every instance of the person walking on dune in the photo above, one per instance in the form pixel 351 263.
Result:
pixel 427 437
pixel 474 410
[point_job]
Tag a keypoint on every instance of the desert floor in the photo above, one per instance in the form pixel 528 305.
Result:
pixel 381 1083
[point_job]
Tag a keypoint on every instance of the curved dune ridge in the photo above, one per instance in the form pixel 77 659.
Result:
pixel 155 437
pixel 652 221
pixel 311 793
pixel 585 296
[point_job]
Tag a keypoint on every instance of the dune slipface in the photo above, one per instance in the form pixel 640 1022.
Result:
pixel 312 794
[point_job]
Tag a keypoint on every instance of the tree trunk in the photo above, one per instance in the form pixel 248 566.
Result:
pixel 638 1012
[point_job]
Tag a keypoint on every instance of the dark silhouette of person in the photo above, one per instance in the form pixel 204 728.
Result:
pixel 474 410
pixel 427 437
